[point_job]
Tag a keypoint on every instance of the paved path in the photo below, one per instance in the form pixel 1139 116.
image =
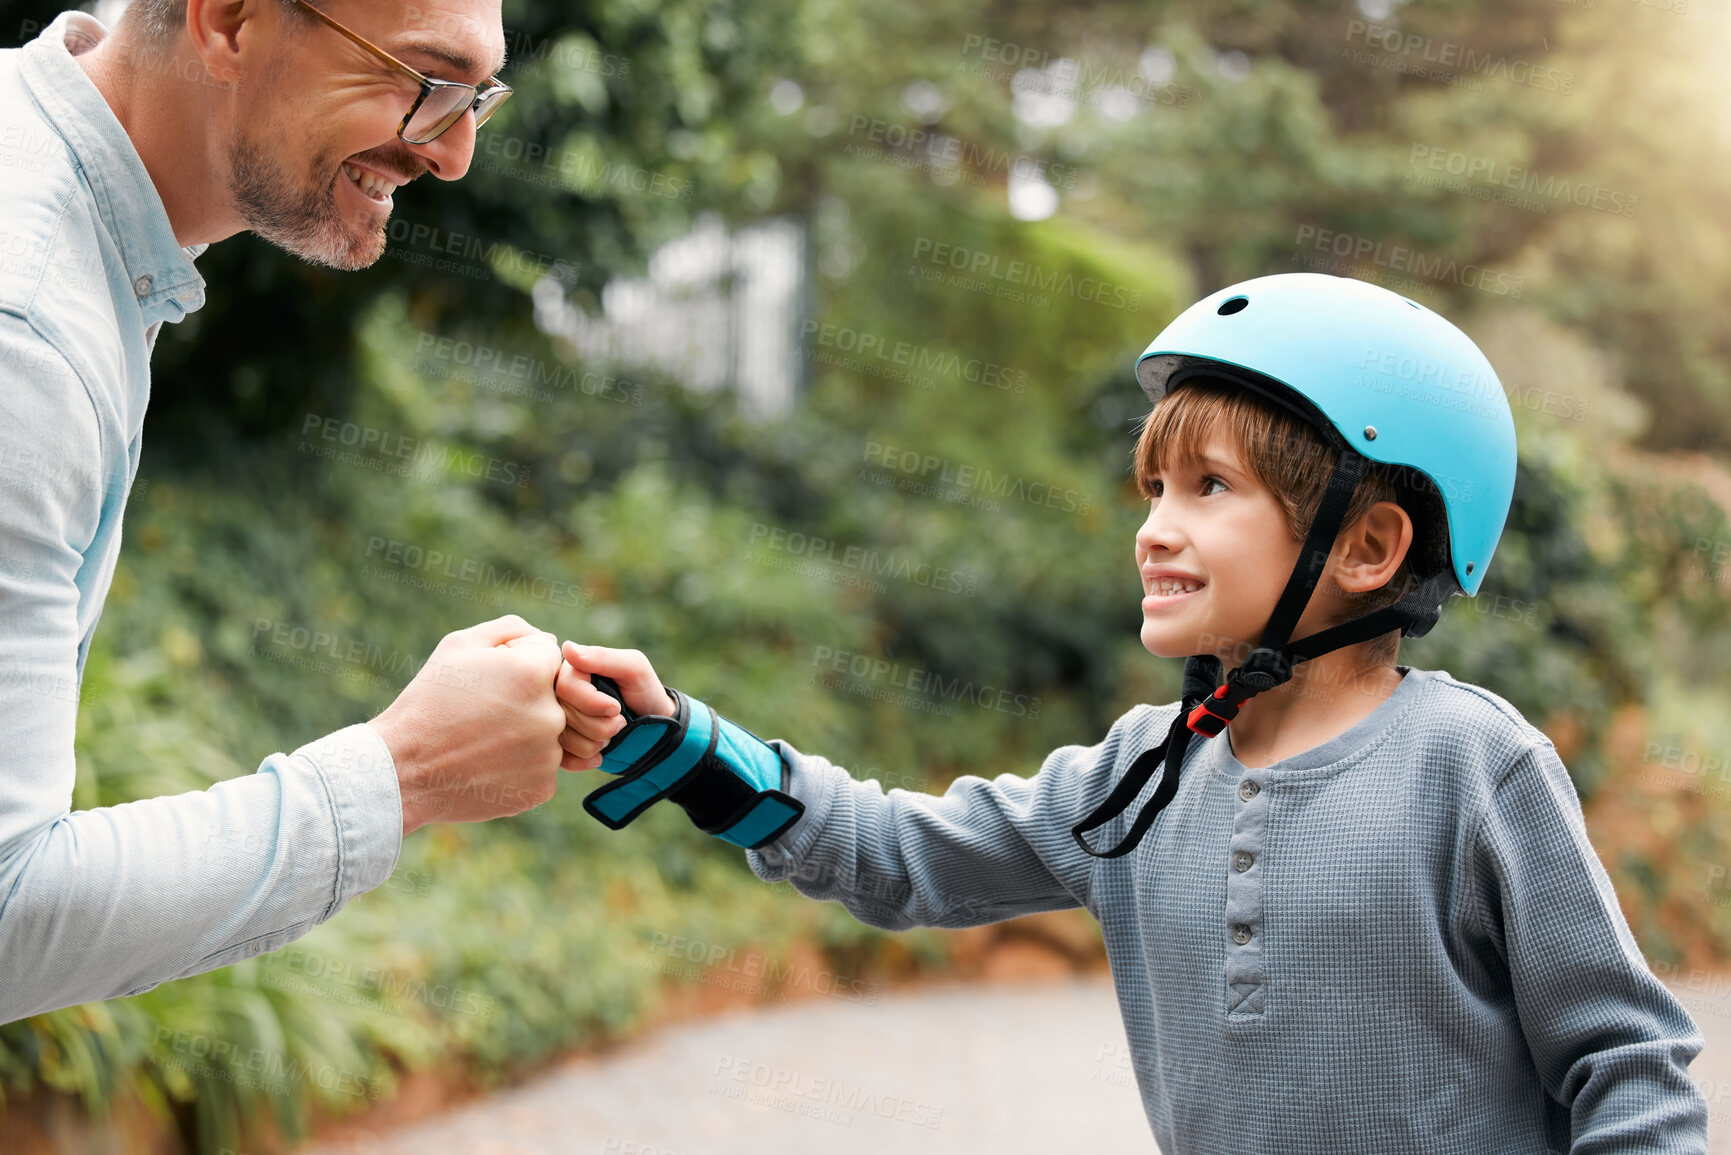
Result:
pixel 1007 1069
pixel 1004 1069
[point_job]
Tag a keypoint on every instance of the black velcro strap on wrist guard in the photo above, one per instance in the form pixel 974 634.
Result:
pixel 724 776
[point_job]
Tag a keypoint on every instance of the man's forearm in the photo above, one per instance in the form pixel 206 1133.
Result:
pixel 113 901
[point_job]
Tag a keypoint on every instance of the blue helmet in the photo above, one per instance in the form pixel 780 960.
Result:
pixel 1382 379
pixel 1381 374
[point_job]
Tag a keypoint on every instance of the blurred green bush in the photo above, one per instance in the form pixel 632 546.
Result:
pixel 653 521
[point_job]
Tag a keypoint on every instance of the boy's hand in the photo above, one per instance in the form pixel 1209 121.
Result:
pixel 592 718
pixel 725 777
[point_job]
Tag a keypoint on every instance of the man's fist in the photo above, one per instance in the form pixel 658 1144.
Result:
pixel 476 734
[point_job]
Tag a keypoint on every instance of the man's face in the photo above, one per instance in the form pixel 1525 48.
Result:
pixel 1213 556
pixel 313 155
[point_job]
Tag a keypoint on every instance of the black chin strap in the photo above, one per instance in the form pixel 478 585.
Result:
pixel 1201 673
pixel 1209 704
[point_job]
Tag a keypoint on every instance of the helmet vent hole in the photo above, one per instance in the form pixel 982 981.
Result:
pixel 1469 567
pixel 1233 305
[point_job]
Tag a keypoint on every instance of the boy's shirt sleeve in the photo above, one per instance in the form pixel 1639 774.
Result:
pixel 1611 1044
pixel 982 852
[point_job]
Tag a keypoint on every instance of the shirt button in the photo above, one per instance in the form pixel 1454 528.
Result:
pixel 1240 934
pixel 141 287
pixel 1248 790
pixel 1243 861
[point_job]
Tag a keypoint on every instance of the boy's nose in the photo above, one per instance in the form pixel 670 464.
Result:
pixel 1159 532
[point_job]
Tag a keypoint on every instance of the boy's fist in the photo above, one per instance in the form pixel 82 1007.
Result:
pixel 724 776
pixel 592 717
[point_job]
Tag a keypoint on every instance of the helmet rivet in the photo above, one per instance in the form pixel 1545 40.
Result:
pixel 1370 433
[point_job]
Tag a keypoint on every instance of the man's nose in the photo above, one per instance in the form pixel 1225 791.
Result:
pixel 448 155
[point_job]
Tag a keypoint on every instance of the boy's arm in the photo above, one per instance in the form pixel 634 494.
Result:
pixel 982 852
pixel 1610 1042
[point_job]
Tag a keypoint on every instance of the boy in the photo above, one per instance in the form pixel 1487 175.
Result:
pixel 1367 918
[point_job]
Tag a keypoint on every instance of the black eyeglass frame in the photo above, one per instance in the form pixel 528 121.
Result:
pixel 484 101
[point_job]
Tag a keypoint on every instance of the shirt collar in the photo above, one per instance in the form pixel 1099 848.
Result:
pixel 161 272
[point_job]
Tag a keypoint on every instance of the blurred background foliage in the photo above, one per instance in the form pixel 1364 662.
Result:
pixel 1162 149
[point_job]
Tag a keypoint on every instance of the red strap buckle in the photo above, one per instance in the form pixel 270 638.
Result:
pixel 1209 723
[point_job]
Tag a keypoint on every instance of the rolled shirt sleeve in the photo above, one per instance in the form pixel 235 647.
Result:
pixel 115 900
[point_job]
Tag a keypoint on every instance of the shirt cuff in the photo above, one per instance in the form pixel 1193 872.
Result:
pixel 360 778
pixel 812 780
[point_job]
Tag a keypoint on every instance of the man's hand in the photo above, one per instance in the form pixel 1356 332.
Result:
pixel 592 718
pixel 476 735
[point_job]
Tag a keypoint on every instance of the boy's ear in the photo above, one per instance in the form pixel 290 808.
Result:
pixel 1371 549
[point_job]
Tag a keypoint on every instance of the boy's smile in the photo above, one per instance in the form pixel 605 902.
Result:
pixel 1213 555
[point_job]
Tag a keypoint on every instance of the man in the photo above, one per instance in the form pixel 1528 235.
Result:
pixel 121 157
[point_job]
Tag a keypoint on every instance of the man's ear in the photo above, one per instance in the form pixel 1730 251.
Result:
pixel 222 31
pixel 1370 551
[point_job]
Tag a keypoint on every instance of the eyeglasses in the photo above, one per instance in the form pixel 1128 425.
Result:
pixel 441 103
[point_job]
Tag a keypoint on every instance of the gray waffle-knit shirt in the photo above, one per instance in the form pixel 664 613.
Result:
pixel 1432 957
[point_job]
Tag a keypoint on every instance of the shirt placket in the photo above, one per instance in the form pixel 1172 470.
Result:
pixel 1246 974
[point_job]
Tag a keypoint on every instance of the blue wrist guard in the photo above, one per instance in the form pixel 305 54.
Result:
pixel 727 778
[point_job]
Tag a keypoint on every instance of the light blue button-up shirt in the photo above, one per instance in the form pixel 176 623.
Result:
pixel 116 900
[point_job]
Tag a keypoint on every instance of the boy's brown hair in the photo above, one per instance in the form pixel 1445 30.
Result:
pixel 1290 457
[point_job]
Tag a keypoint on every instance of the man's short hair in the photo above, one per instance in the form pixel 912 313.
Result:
pixel 159 20
pixel 1292 459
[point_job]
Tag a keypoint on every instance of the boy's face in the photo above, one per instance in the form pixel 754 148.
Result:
pixel 1214 555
